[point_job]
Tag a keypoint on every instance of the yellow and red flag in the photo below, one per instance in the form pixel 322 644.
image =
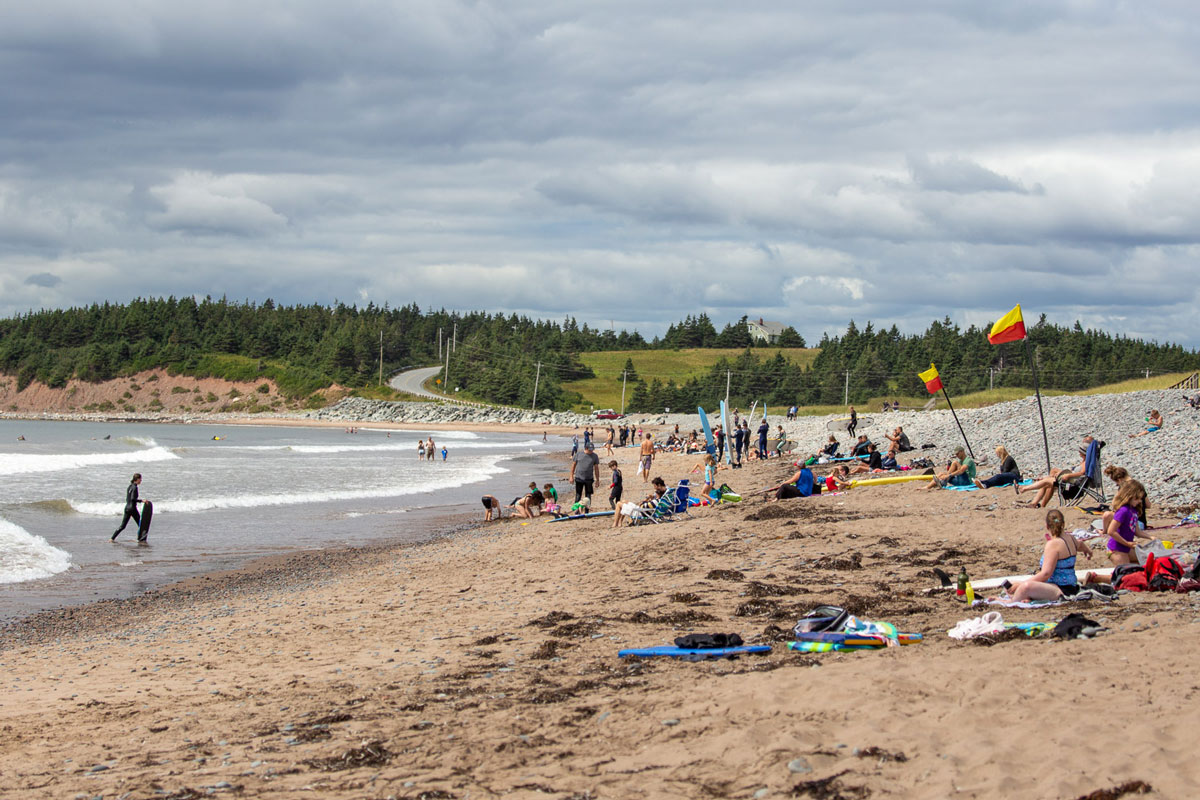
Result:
pixel 1009 328
pixel 933 381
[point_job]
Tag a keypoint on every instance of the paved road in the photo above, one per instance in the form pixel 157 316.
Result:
pixel 412 380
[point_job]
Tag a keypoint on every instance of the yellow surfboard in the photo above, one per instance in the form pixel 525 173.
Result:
pixel 890 479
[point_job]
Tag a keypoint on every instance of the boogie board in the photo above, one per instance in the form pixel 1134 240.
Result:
pixel 711 449
pixel 670 651
pixel 147 515
pixel 585 516
pixel 843 424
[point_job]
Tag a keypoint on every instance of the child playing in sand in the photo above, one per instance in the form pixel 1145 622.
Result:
pixel 1056 576
pixel 491 508
pixel 1123 528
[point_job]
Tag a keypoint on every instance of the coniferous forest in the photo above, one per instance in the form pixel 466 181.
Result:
pixel 496 357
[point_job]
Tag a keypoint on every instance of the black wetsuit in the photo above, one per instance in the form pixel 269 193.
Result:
pixel 131 511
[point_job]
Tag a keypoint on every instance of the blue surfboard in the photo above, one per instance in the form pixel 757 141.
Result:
pixel 708 437
pixel 585 516
pixel 670 651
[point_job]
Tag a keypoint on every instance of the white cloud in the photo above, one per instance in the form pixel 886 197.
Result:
pixel 200 202
pixel 630 161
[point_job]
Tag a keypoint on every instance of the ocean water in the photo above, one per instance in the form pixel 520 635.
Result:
pixel 258 490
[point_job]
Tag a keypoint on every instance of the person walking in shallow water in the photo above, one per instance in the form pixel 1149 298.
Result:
pixel 131 504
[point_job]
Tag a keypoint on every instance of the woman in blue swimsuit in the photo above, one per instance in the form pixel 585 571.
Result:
pixel 1056 577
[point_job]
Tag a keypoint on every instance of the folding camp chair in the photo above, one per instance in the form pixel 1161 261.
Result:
pixel 663 511
pixel 1091 484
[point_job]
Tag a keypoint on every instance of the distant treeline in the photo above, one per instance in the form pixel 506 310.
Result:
pixel 496 356
pixel 302 348
pixel 307 348
pixel 880 363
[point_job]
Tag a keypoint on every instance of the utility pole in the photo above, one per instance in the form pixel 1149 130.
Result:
pixel 624 377
pixel 454 338
pixel 439 344
pixel 1147 374
pixel 728 376
pixel 447 386
pixel 381 356
pixel 846 393
pixel 991 375
pixel 535 385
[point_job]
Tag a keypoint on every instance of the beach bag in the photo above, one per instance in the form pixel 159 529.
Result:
pixel 1163 574
pixel 822 618
pixel 1122 572
pixel 1133 581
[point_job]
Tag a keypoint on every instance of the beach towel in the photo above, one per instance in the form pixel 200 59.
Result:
pixel 1082 596
pixel 855 634
pixel 992 622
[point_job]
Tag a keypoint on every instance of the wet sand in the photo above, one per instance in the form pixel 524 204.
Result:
pixel 483 664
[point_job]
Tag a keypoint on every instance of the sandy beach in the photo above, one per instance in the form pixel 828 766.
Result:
pixel 484 664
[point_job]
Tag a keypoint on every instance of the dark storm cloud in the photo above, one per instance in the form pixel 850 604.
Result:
pixel 624 162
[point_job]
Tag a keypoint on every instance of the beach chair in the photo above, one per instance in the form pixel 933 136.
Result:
pixel 1091 484
pixel 663 511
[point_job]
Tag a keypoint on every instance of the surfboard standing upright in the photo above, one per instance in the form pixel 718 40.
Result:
pixel 728 439
pixel 711 447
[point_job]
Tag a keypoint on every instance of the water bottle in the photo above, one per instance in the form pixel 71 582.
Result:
pixel 961 590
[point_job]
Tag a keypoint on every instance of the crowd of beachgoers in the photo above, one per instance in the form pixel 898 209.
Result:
pixel 489 662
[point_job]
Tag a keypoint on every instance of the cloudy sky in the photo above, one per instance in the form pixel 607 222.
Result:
pixel 625 161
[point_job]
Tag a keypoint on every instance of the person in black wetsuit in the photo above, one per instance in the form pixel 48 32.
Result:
pixel 853 421
pixel 131 503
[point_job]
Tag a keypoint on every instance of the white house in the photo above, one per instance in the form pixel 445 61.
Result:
pixel 765 330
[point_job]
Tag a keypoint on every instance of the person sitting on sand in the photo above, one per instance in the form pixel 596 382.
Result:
pixel 652 499
pixel 1007 474
pixel 1123 528
pixel 889 461
pixel 801 484
pixel 873 462
pixel 899 441
pixel 1044 486
pixel 551 496
pixel 860 447
pixel 839 479
pixel 491 508
pixel 959 472
pixel 1153 423
pixel 1055 577
pixel 831 447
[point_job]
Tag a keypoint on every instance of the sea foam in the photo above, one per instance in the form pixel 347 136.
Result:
pixel 27 557
pixel 24 463
pixel 193 505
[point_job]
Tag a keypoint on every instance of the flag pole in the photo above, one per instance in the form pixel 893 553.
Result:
pixel 959 424
pixel 1037 391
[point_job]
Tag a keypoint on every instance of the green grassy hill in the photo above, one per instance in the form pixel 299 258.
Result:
pixel 604 390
